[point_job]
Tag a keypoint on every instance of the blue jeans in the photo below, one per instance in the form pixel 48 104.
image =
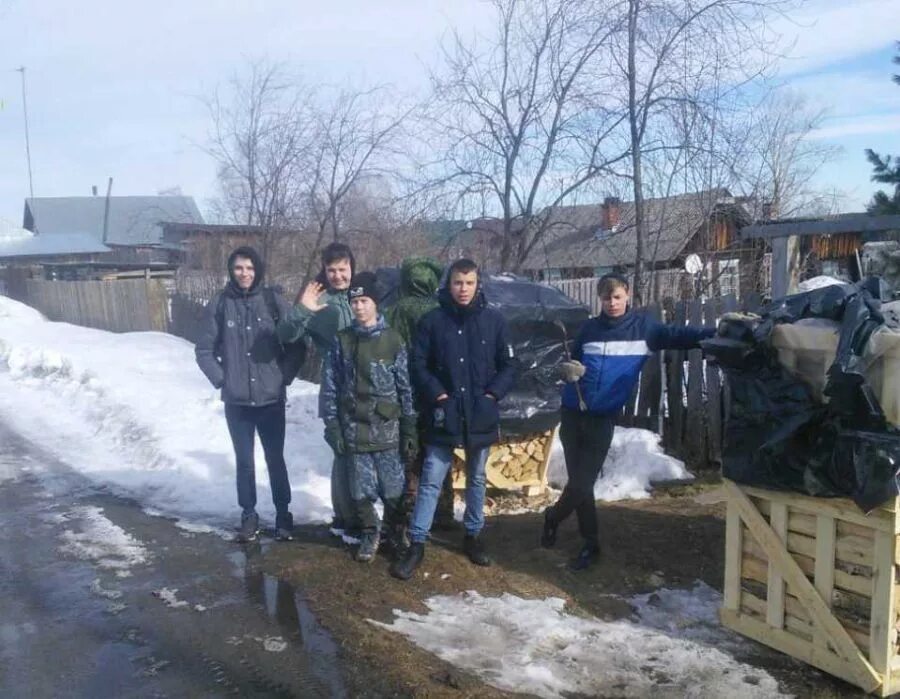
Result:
pixel 437 462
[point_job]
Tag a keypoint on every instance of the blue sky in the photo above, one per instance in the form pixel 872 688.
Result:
pixel 113 87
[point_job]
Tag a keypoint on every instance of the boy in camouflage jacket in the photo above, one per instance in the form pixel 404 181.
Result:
pixel 367 403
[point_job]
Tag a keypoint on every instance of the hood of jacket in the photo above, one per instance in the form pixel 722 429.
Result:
pixel 420 276
pixel 447 303
pixel 258 265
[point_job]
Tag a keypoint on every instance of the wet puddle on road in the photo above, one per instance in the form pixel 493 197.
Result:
pixel 299 627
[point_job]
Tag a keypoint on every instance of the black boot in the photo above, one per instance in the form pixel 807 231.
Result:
pixel 249 528
pixel 548 535
pixel 284 526
pixel 473 547
pixel 588 555
pixel 406 566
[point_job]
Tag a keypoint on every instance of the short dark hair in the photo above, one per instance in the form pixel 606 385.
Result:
pixel 336 251
pixel 463 265
pixel 608 283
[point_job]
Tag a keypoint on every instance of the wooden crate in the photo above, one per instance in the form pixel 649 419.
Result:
pixel 513 464
pixel 815 578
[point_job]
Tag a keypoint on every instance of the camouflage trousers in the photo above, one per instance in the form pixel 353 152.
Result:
pixel 373 475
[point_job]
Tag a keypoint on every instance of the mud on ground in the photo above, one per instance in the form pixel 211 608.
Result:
pixel 670 540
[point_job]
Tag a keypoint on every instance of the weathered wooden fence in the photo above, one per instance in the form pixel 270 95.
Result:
pixel 121 305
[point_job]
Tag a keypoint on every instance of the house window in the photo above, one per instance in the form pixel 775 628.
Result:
pixel 725 275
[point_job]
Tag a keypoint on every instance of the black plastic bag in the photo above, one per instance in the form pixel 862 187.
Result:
pixel 777 434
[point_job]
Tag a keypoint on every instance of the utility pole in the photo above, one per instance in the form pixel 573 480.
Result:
pixel 21 70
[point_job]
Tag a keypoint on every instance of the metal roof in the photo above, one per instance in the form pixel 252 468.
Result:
pixel 47 245
pixel 132 220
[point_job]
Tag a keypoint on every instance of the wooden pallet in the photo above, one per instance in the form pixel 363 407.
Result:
pixel 815 578
pixel 513 464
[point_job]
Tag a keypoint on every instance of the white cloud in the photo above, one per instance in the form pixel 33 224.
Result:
pixel 855 126
pixel 828 32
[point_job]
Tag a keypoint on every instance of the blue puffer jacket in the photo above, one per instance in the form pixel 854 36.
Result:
pixel 462 351
pixel 613 350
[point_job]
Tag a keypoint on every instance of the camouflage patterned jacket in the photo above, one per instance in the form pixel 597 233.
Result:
pixel 366 390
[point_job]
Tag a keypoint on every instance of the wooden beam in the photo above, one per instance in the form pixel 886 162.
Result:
pixel 852 223
pixel 796 647
pixel 881 636
pixel 864 674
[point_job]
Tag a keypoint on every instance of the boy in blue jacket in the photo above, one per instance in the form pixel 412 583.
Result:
pixel 606 362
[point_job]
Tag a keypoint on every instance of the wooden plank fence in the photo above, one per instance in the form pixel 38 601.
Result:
pixel 122 305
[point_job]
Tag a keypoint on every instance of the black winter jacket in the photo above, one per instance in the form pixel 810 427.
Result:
pixel 462 351
pixel 242 357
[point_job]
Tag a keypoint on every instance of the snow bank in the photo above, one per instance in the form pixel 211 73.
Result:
pixel 635 460
pixel 132 411
pixel 536 647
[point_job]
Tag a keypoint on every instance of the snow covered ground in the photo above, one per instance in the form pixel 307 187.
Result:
pixel 132 411
pixel 672 647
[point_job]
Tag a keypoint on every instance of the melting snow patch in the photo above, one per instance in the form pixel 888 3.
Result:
pixel 103 542
pixel 536 647
pixel 275 644
pixel 168 596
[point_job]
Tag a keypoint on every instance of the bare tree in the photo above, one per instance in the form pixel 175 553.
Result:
pixel 783 156
pixel 290 155
pixel 665 48
pixel 261 124
pixel 522 116
pixel 358 139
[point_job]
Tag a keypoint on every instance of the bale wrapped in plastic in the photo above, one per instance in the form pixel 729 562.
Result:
pixel 805 378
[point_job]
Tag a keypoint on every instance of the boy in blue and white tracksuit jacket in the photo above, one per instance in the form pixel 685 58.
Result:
pixel 607 358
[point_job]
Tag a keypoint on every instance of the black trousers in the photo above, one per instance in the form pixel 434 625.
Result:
pixel 585 440
pixel 244 421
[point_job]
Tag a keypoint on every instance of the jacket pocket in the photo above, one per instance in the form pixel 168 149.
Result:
pixel 485 414
pixel 387 410
pixel 446 416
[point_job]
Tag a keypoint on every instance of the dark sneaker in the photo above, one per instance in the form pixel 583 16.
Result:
pixel 589 554
pixel 473 547
pixel 368 546
pixel 404 568
pixel 284 527
pixel 548 535
pixel 249 529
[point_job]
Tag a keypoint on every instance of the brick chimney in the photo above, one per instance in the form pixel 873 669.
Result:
pixel 611 210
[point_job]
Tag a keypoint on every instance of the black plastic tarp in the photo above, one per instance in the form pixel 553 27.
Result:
pixel 532 312
pixel 777 433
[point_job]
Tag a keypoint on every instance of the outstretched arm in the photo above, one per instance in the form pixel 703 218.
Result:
pixel 677 336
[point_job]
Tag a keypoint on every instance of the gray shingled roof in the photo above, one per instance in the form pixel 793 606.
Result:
pixel 46 245
pixel 574 238
pixel 132 220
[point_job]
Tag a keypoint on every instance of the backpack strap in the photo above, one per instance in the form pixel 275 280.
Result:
pixel 271 303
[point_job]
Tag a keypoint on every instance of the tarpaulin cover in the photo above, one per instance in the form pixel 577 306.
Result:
pixel 532 312
pixel 778 433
